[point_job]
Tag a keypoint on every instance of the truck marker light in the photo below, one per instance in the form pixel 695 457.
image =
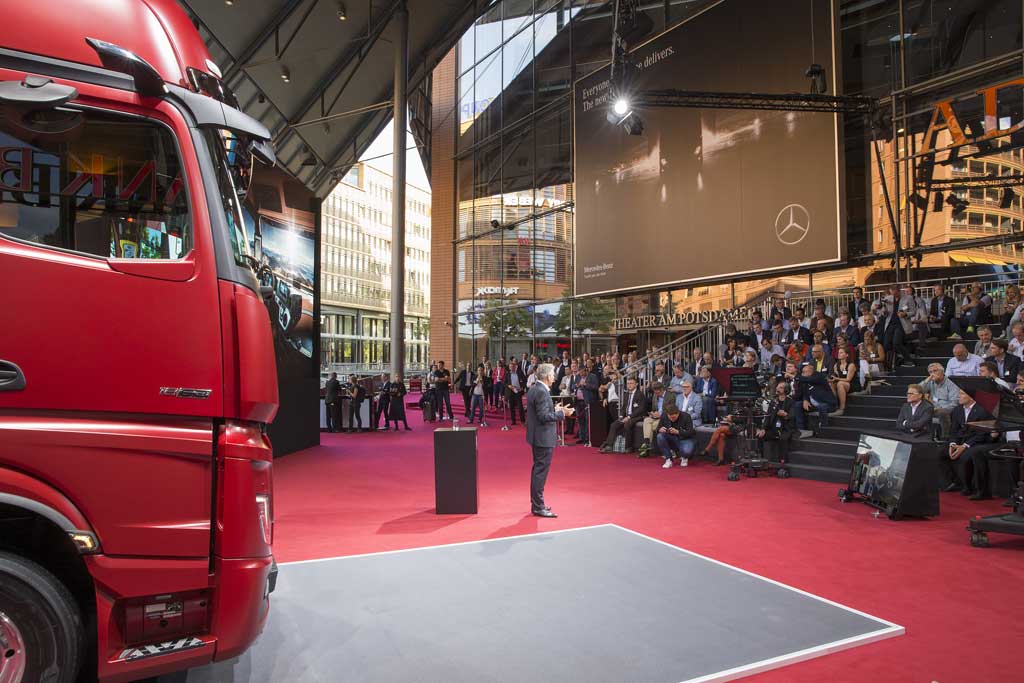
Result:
pixel 266 521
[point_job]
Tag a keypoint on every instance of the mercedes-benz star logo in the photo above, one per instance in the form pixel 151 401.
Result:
pixel 792 224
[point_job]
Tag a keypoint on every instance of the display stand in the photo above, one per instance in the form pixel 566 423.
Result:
pixel 456 490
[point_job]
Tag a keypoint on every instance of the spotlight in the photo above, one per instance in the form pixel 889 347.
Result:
pixel 621 106
pixel 495 224
pixel 816 72
pixel 959 205
pixel 937 206
pixel 229 3
pixel 342 12
pixel 1007 201
pixel 261 98
pixel 285 74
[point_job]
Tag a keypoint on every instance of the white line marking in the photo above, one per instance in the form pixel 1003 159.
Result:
pixel 445 545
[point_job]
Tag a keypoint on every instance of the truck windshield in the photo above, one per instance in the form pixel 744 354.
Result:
pixel 234 172
pixel 93 182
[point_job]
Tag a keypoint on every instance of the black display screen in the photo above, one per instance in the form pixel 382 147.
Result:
pixel 880 470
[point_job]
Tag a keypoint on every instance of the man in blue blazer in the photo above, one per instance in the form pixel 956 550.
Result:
pixel 707 387
pixel 542 417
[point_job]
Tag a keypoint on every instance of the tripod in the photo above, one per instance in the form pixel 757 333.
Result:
pixel 751 460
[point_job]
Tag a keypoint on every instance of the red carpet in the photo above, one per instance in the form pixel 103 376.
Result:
pixel 961 606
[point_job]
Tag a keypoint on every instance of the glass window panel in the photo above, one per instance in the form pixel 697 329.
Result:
pixel 870 55
pixel 517 76
pixel 942 37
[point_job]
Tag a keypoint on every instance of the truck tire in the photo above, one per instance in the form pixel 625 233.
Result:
pixel 39 611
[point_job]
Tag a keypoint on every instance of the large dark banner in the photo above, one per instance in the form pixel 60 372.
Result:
pixel 704 193
pixel 282 224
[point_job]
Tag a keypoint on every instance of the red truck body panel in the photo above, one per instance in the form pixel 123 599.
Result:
pixel 176 489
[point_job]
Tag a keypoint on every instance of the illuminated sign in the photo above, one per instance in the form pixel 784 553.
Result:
pixel 506 291
pixel 944 118
pixel 638 322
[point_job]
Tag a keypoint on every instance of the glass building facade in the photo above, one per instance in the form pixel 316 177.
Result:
pixel 355 274
pixel 512 98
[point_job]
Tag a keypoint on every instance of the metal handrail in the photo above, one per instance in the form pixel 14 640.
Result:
pixel 838 298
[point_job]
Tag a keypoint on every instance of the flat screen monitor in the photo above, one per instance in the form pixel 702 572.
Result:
pixel 745 386
pixel 880 470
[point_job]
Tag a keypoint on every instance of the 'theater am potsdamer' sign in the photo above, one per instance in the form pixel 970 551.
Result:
pixel 639 322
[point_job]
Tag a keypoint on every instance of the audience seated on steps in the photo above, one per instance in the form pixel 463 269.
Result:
pixel 941 393
pixel 965 442
pixel 915 416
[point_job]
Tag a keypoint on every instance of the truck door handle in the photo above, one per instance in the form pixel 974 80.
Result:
pixel 11 377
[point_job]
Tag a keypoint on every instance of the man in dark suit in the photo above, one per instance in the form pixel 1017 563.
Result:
pixel 858 298
pixel 847 327
pixel 632 409
pixel 941 310
pixel 1008 364
pixel 797 331
pixel 332 403
pixel 781 308
pixel 542 417
pixel 812 393
pixel 465 381
pixel 355 406
pixel 965 442
pixel 383 402
pixel 916 414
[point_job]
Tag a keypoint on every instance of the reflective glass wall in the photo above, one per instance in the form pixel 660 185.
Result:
pixel 515 225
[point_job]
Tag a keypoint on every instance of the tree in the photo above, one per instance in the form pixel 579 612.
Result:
pixel 594 314
pixel 510 323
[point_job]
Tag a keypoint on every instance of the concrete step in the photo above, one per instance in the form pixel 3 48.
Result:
pixel 834 475
pixel 827 446
pixel 862 422
pixel 875 399
pixel 875 409
pixel 836 461
pixel 836 432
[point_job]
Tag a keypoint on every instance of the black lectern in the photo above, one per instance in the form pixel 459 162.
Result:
pixel 896 473
pixel 455 481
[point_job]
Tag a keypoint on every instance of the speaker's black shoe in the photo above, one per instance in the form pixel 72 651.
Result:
pixel 966 492
pixel 980 496
pixel 951 488
pixel 546 512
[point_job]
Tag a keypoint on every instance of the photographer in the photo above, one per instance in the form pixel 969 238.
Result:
pixel 812 393
pixel 778 427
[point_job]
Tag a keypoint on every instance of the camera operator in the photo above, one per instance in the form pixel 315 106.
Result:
pixel 812 393
pixel 984 456
pixel 778 427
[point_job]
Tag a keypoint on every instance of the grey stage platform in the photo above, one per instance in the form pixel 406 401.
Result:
pixel 594 604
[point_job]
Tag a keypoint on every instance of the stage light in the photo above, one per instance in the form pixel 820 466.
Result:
pixel 342 12
pixel 229 3
pixel 959 205
pixel 621 106
pixel 1007 201
pixel 285 74
pixel 816 72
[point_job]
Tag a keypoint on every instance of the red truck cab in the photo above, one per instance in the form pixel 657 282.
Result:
pixel 137 371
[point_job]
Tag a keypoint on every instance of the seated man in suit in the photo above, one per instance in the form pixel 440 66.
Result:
pixel 676 436
pixel 965 442
pixel 941 309
pixel 821 361
pixel 707 387
pixel 656 400
pixel 916 414
pixel 691 403
pixel 779 425
pixel 632 409
pixel 812 393
pixel 1007 363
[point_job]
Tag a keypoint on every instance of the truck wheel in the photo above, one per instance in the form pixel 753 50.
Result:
pixel 40 625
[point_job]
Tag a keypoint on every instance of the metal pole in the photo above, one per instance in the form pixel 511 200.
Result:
pixel 398 192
